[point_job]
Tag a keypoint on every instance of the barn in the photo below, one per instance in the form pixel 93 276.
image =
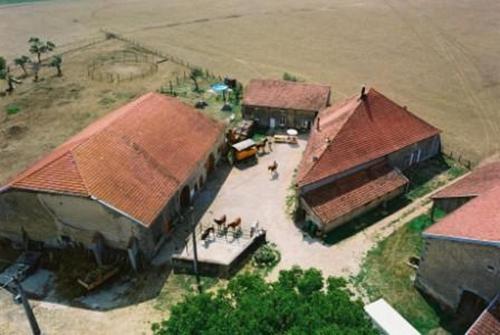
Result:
pixel 118 184
pixel 460 262
pixel 284 104
pixel 356 155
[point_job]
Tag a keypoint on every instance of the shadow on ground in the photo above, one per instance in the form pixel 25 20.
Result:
pixel 56 281
pixel 422 181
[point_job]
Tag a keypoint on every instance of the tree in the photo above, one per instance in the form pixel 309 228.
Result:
pixel 194 75
pixel 39 47
pixel 35 67
pixel 21 62
pixel 56 62
pixel 300 302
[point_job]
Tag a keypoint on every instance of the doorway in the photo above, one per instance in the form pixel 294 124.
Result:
pixel 185 197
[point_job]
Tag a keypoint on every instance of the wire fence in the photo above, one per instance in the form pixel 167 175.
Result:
pixel 142 65
pixel 157 52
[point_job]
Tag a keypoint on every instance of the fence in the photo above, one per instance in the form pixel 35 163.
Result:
pixel 161 54
pixel 101 69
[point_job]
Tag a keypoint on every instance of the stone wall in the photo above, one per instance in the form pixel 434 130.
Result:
pixel 57 220
pixel 284 118
pixel 415 153
pixel 448 268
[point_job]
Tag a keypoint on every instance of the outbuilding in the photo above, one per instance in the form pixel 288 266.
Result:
pixel 356 155
pixel 118 184
pixel 284 104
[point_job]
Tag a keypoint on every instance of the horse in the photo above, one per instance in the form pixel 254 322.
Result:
pixel 272 168
pixel 207 233
pixel 220 222
pixel 235 224
pixel 261 146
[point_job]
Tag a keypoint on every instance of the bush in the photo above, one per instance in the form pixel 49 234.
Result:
pixel 289 77
pixel 267 256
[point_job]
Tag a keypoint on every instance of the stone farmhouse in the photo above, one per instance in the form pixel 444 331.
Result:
pixel 460 263
pixel 118 184
pixel 284 104
pixel 355 156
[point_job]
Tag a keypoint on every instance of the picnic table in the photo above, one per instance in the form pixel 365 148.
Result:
pixel 285 139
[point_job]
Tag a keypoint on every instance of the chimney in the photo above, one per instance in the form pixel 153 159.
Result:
pixel 317 124
pixel 363 93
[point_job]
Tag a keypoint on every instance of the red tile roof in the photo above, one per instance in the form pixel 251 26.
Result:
pixel 133 159
pixel 479 181
pixel 345 195
pixel 488 322
pixel 356 131
pixel 476 221
pixel 286 95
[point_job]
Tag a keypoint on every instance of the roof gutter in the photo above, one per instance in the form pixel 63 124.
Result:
pixel 104 203
pixel 462 239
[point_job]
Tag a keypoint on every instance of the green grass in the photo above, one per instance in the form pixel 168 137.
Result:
pixel 385 274
pixel 178 286
pixel 424 178
pixel 432 174
pixel 183 89
pixel 12 109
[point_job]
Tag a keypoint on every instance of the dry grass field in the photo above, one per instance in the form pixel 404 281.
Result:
pixel 440 58
pixel 39 116
pixel 437 57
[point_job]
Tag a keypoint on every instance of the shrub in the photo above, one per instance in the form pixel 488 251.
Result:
pixel 289 77
pixel 12 109
pixel 267 256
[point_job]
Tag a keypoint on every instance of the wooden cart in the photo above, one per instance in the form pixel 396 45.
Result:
pixel 244 150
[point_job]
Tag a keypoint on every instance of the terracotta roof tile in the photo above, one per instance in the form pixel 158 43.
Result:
pixel 477 182
pixel 357 131
pixel 477 220
pixel 343 196
pixel 133 159
pixel 286 95
pixel 488 322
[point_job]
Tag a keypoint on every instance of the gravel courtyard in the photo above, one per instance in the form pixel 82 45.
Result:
pixel 252 193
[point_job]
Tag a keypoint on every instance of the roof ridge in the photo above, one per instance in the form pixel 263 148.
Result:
pixel 291 82
pixel 78 142
pixel 73 158
pixel 31 173
pixel 403 108
pixel 342 126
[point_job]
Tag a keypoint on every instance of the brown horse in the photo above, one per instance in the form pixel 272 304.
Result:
pixel 235 224
pixel 207 233
pixel 261 146
pixel 220 222
pixel 272 168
